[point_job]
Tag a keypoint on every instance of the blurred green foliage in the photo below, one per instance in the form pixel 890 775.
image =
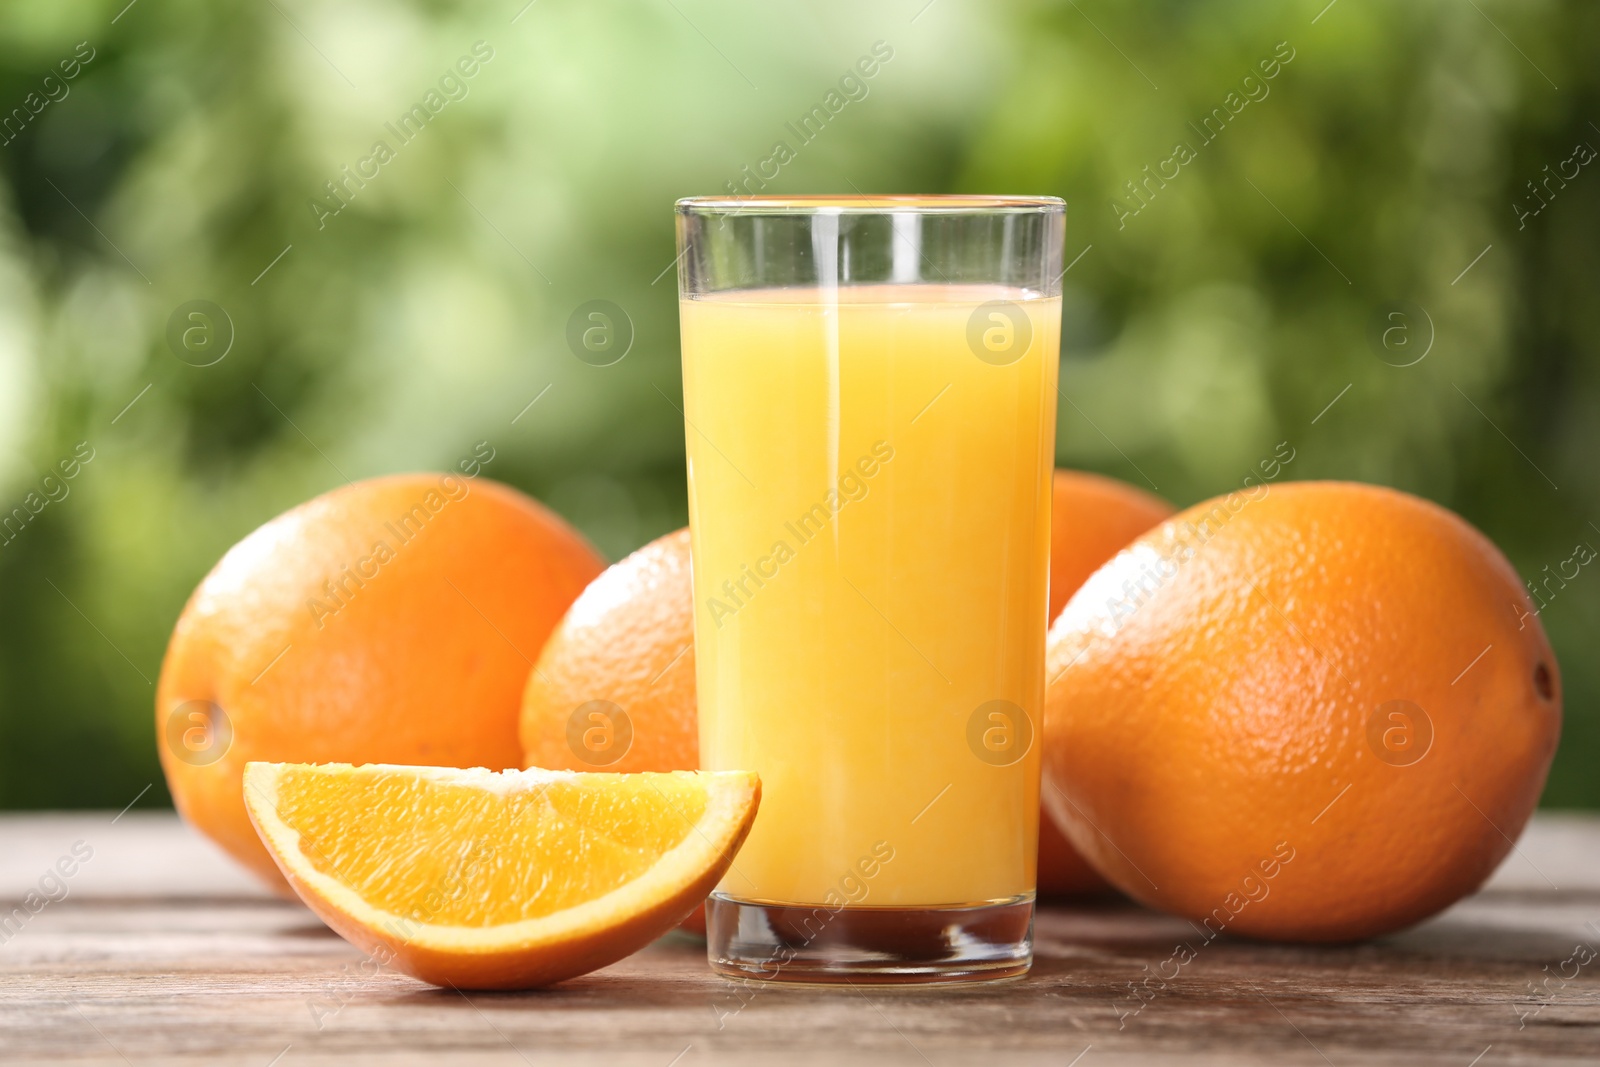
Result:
pixel 180 163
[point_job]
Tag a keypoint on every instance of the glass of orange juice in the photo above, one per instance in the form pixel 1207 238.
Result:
pixel 870 402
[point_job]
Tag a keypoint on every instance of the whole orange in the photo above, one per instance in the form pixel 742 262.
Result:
pixel 614 688
pixel 390 621
pixel 1091 517
pixel 1316 711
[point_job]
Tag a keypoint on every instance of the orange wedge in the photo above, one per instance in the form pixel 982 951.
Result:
pixel 498 880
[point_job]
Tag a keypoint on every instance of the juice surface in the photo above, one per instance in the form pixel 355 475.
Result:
pixel 870 514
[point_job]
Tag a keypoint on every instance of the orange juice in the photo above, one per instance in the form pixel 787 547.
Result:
pixel 869 479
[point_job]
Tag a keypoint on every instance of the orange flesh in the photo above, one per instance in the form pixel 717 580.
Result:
pixel 459 855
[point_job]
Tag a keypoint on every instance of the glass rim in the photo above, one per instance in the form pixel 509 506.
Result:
pixel 863 204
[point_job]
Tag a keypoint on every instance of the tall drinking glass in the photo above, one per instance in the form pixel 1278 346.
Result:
pixel 870 399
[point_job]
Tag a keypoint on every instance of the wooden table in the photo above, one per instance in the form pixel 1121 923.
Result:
pixel 162 952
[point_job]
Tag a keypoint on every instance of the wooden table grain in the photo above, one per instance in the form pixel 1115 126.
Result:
pixel 154 949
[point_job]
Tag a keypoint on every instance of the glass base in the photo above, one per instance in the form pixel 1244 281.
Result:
pixel 880 946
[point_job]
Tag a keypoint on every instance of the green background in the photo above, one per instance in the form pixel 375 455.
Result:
pixel 1241 300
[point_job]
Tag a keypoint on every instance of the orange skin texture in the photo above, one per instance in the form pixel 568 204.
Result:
pixel 423 663
pixel 1213 755
pixel 628 639
pixel 1091 517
